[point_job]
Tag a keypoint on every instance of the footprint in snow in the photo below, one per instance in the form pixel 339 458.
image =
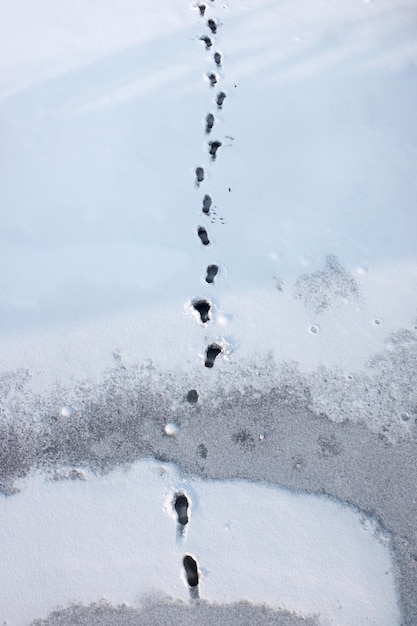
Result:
pixel 199 174
pixel 207 201
pixel 192 396
pixel 191 572
pixel 202 233
pixel 214 146
pixel 212 353
pixel 202 8
pixel 218 58
pixel 203 309
pixel 207 41
pixel 209 122
pixel 181 506
pixel 212 77
pixel 221 96
pixel 212 24
pixel 211 273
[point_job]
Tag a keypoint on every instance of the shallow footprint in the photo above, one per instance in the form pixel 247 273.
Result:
pixel 212 24
pixel 192 396
pixel 207 201
pixel 212 271
pixel 199 174
pixel 212 79
pixel 207 41
pixel 214 146
pixel 209 122
pixel 202 233
pixel 221 96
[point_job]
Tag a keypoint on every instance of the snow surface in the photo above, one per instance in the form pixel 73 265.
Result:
pixel 102 127
pixel 313 227
pixel 115 537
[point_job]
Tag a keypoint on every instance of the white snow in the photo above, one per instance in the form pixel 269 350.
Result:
pixel 115 537
pixel 103 115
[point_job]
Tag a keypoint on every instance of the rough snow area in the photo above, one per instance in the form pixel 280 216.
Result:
pixel 116 537
pixel 293 361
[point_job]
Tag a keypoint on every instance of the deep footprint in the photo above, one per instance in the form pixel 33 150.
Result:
pixel 192 396
pixel 218 58
pixel 209 122
pixel 212 79
pixel 202 8
pixel 199 173
pixel 212 24
pixel 212 353
pixel 221 96
pixel 207 41
pixel 207 204
pixel 214 146
pixel 202 233
pixel 181 508
pixel 203 308
pixel 191 570
pixel 212 272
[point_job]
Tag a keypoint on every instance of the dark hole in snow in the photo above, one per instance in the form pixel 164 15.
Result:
pixel 212 272
pixel 212 78
pixel 214 146
pixel 207 204
pixel 181 507
pixel 221 96
pixel 217 58
pixel 192 396
pixel 199 172
pixel 211 23
pixel 209 122
pixel 203 308
pixel 207 41
pixel 191 570
pixel 202 451
pixel 212 353
pixel 202 233
pixel 202 8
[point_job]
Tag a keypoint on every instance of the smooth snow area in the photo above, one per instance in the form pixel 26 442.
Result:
pixel 103 114
pixel 115 537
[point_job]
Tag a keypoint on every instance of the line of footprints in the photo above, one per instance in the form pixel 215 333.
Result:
pixel 181 506
pixel 203 306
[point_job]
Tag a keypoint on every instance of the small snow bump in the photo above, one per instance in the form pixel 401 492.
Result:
pixel 171 429
pixel 67 410
pixel 314 329
pixel 361 271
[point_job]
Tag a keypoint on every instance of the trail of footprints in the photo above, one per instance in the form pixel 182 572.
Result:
pixel 202 306
pixel 181 506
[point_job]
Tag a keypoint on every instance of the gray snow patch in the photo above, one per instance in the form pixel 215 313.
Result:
pixel 326 288
pixel 165 612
